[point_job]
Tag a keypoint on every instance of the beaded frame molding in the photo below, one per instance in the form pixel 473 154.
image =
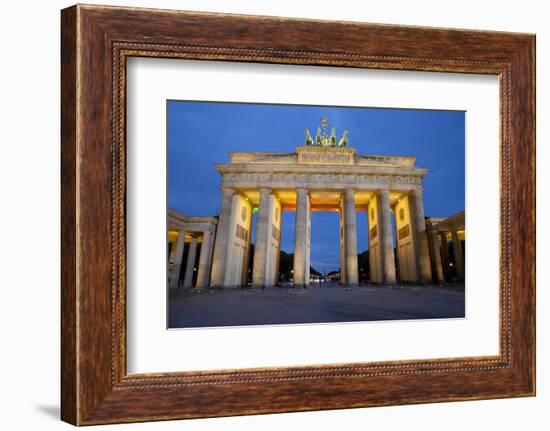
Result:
pixel 95 43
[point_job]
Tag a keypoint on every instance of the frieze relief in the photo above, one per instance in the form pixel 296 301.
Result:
pixel 325 158
pixel 254 180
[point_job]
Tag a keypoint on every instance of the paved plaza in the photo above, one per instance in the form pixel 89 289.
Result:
pixel 320 303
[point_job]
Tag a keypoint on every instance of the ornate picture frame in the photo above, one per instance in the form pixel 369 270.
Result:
pixel 96 41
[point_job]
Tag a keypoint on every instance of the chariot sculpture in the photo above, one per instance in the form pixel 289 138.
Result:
pixel 323 139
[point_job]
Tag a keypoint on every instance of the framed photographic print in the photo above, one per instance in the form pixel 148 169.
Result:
pixel 265 215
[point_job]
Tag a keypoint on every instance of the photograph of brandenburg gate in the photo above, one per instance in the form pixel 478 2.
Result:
pixel 323 174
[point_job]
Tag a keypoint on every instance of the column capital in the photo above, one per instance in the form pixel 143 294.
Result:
pixel 264 190
pixel 302 191
pixel 227 189
pixel 417 191
pixel 348 192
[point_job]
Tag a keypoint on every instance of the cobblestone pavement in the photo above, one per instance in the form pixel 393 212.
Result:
pixel 329 303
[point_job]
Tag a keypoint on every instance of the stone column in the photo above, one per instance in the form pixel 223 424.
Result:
pixel 278 263
pixel 437 257
pixel 386 238
pixel 342 247
pixel 172 256
pixel 301 273
pixel 262 240
pixel 178 256
pixel 189 268
pixel 444 254
pixel 396 253
pixel 205 259
pixel 459 258
pixel 308 242
pixel 424 270
pixel 277 212
pixel 219 260
pixel 350 237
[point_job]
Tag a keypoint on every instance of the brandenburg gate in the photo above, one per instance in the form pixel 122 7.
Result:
pixel 325 174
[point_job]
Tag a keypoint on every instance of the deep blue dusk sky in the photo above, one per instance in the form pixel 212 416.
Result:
pixel 201 134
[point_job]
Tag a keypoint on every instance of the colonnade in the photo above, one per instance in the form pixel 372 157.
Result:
pixel 229 263
pixel 440 232
pixel 413 259
pixel 231 249
pixel 458 255
pixel 194 231
pixel 202 269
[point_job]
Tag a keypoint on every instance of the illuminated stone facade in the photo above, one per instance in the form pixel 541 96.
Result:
pixel 321 178
pixel 323 175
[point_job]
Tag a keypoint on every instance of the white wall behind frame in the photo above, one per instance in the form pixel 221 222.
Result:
pixel 152 348
pixel 30 175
